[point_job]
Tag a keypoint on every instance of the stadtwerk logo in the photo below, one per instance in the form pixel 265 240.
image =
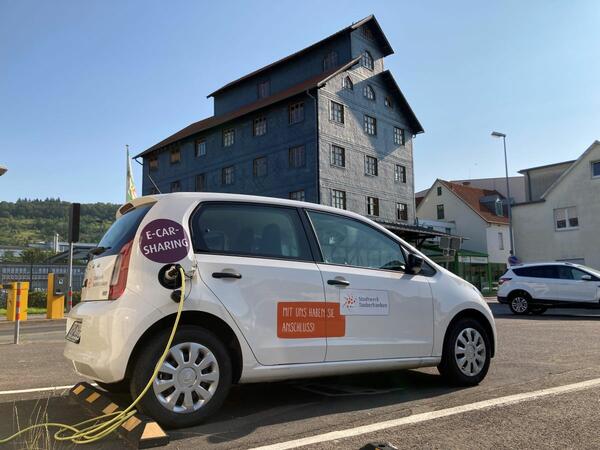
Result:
pixel 349 302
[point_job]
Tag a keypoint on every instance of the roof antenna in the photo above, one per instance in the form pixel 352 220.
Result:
pixel 135 158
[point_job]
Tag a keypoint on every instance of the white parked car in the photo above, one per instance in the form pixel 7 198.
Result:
pixel 533 288
pixel 278 289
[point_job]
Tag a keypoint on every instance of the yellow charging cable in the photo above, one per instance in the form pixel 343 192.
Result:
pixel 102 426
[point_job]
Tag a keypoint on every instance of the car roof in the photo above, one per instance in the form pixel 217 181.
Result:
pixel 547 263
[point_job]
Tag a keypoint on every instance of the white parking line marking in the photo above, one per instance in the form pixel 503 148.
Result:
pixel 44 389
pixel 500 401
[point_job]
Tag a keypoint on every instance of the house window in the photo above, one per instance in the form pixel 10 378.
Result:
pixel 347 84
pixel 401 211
pixel 338 156
pixel 370 165
pixel 596 169
pixel 259 167
pixel 500 240
pixel 566 218
pixel 372 206
pixel 175 155
pixel 259 126
pixel 337 112
pixel 263 89
pixel 388 102
pixel 440 212
pixel 398 136
pixel 296 157
pixel 367 60
pixel 400 174
pixel 370 125
pixel 439 190
pixel 200 182
pixel 228 175
pixel 368 92
pixel 175 186
pixel 330 61
pixel 499 207
pixel 338 199
pixel 297 195
pixel 153 162
pixel 200 149
pixel 367 33
pixel 296 112
pixel 228 137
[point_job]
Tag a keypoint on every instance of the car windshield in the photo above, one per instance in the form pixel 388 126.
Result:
pixel 121 231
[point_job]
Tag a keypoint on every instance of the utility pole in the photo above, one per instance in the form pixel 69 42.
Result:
pixel 74 214
pixel 510 231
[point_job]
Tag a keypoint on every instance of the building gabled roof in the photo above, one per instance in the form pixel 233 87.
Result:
pixel 524 171
pixel 387 77
pixel 210 122
pixel 471 196
pixel 371 20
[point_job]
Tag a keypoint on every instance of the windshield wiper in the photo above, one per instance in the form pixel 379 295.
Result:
pixel 98 250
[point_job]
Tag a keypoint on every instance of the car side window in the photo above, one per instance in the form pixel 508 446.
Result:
pixel 250 230
pixel 577 274
pixel 565 273
pixel 349 242
pixel 538 272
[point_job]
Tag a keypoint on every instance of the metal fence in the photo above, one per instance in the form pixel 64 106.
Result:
pixel 37 274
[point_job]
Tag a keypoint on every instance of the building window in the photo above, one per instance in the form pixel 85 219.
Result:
pixel 499 207
pixel 175 155
pixel 259 167
pixel 297 195
pixel 370 165
pixel 401 211
pixel 175 186
pixel 347 84
pixel 596 169
pixel 372 206
pixel 500 240
pixel 440 212
pixel 388 102
pixel 566 218
pixel 263 89
pixel 200 182
pixel 370 124
pixel 368 92
pixel 153 162
pixel 330 61
pixel 367 60
pixel 336 112
pixel 338 156
pixel 398 136
pixel 259 126
pixel 338 199
pixel 400 174
pixel 296 112
pixel 367 33
pixel 296 157
pixel 228 175
pixel 439 190
pixel 228 137
pixel 200 149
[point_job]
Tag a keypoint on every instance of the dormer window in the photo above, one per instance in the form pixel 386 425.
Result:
pixel 388 102
pixel 499 207
pixel 368 92
pixel 367 60
pixel 264 89
pixel 330 61
pixel 348 84
pixel 367 33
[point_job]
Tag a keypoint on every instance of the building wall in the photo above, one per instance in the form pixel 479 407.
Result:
pixel 280 180
pixel 497 253
pixel 539 180
pixel 536 238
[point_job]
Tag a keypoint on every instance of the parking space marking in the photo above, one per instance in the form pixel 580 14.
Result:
pixel 44 389
pixel 423 417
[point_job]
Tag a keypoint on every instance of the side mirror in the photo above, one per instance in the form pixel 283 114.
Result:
pixel 586 278
pixel 413 264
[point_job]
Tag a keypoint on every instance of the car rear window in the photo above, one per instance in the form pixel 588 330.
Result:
pixel 122 230
pixel 537 272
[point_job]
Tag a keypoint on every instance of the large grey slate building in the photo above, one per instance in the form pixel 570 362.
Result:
pixel 327 124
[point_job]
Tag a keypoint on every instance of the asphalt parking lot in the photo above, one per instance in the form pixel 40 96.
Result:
pixel 409 409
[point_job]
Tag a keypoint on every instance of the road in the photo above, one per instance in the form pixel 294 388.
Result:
pixel 535 353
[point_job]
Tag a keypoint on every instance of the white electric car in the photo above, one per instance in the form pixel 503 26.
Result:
pixel 277 289
pixel 535 287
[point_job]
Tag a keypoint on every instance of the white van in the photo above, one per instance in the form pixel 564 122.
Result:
pixel 277 289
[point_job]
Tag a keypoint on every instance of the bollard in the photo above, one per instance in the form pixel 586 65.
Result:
pixel 11 312
pixel 18 313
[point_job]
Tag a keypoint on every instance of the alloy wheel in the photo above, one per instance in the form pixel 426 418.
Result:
pixel 519 304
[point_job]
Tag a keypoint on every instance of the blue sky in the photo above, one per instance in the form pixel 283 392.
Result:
pixel 80 79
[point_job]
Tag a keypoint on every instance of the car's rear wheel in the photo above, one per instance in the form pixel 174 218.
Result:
pixel 192 382
pixel 467 352
pixel 520 303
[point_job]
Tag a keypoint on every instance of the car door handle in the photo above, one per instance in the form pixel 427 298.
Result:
pixel 234 275
pixel 336 282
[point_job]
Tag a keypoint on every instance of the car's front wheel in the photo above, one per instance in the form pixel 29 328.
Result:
pixel 520 303
pixel 192 382
pixel 467 352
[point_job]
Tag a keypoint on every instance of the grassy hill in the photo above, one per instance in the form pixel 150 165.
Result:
pixel 26 221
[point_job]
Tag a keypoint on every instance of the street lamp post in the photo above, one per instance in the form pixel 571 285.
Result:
pixel 510 231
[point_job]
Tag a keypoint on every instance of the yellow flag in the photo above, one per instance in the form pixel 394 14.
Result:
pixel 130 193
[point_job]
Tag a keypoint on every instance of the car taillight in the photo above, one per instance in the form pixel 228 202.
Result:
pixel 503 280
pixel 118 281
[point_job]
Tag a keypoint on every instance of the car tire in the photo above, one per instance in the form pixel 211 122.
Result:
pixel 193 381
pixel 120 387
pixel 538 310
pixel 466 354
pixel 519 303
